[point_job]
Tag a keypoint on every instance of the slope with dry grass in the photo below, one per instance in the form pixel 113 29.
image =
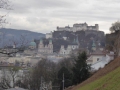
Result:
pixel 108 68
pixel 109 81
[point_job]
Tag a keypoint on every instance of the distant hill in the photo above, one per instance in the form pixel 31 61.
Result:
pixel 85 38
pixel 9 35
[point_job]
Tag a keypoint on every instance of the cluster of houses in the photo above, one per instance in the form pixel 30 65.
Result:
pixel 60 44
pixel 99 58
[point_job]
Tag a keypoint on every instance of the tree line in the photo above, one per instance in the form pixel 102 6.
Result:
pixel 74 69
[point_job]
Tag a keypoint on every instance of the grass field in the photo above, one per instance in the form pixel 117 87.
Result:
pixel 110 81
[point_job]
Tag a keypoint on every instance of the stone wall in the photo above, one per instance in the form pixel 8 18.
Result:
pixel 78 27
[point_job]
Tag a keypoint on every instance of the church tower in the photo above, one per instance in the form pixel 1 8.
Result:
pixel 77 41
pixel 41 47
pixel 41 44
pixel 93 46
pixel 50 45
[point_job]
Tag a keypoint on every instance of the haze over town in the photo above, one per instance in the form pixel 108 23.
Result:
pixel 59 45
pixel 45 15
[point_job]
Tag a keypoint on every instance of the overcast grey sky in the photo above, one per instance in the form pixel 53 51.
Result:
pixel 45 15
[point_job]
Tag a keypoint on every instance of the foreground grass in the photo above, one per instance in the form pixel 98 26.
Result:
pixel 111 81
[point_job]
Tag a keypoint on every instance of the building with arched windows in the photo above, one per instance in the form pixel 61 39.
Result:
pixel 45 48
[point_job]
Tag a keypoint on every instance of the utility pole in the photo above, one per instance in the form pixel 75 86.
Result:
pixel 63 81
pixel 41 83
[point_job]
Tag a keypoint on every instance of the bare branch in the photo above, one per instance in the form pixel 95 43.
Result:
pixel 115 27
pixel 5 4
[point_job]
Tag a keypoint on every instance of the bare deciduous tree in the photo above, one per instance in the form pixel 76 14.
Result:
pixel 2 20
pixel 13 72
pixel 9 77
pixel 4 4
pixel 17 45
pixel 23 40
pixel 43 72
pixel 115 28
pixel 5 80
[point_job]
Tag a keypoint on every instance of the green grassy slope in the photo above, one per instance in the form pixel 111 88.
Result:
pixel 110 81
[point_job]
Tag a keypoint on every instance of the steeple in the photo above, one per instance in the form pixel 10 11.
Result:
pixel 93 46
pixel 77 41
pixel 74 41
pixel 41 41
pixel 50 45
pixel 41 44
pixel 50 41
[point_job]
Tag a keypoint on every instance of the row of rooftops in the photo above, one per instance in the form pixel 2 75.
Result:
pixel 55 42
pixel 58 42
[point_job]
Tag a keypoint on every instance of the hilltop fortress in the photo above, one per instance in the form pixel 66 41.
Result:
pixel 79 27
pixel 82 34
pixel 76 28
pixel 64 41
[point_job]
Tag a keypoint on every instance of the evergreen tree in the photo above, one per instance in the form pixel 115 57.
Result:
pixel 80 69
pixel 67 77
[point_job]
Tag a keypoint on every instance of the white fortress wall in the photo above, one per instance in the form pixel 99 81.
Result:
pixel 48 35
pixel 79 27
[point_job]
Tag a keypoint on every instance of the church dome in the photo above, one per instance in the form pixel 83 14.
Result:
pixel 32 43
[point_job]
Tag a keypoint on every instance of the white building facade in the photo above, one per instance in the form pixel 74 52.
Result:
pixel 68 50
pixel 79 27
pixel 49 35
pixel 45 49
pixel 98 61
